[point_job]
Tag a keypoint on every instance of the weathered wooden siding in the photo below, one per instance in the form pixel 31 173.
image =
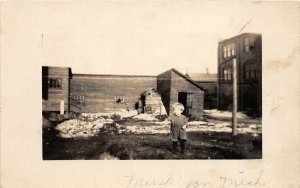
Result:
pixel 53 96
pixel 164 88
pixel 154 101
pixel 99 91
pixel 180 84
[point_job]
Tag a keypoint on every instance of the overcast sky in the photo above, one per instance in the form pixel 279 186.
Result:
pixel 150 37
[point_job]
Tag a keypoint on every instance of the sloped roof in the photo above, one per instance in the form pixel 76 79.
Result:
pixel 204 77
pixel 149 90
pixel 188 79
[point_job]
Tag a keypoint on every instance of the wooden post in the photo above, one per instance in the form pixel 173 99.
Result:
pixel 62 107
pixel 234 109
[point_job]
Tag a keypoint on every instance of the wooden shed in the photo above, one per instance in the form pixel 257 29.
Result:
pixel 176 87
pixel 153 103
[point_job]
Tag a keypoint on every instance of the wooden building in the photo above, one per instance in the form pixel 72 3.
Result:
pixel 55 88
pixel 247 49
pixel 152 102
pixel 109 93
pixel 176 87
pixel 209 82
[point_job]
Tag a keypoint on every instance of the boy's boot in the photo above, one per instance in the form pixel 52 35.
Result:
pixel 174 147
pixel 182 146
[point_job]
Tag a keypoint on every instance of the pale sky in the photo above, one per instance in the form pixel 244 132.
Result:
pixel 148 38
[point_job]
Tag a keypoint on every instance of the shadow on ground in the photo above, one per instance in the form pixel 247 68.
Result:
pixel 201 145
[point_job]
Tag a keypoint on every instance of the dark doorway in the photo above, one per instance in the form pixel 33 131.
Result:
pixel 187 100
pixel 250 99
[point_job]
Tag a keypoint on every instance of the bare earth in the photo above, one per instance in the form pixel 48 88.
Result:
pixel 133 138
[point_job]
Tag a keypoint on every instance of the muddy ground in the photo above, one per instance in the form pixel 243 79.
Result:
pixel 110 144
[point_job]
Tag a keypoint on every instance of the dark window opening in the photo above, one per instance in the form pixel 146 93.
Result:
pixel 249 45
pixel 227 74
pixel 119 99
pixel 251 72
pixel 55 83
pixel 79 98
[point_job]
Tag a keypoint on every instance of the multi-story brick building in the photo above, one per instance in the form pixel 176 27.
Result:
pixel 247 49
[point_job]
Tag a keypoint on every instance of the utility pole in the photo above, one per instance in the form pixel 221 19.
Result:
pixel 234 109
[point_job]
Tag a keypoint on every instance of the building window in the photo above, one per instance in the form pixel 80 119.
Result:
pixel 249 44
pixel 229 50
pixel 227 74
pixel 225 51
pixel 148 109
pixel 119 99
pixel 55 83
pixel 233 49
pixel 251 71
pixel 79 98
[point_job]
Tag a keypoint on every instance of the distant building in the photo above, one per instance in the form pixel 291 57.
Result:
pixel 247 49
pixel 110 93
pixel 209 82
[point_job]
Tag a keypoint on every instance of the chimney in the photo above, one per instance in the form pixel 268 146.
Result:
pixel 207 72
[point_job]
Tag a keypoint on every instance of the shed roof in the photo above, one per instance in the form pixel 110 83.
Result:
pixel 187 79
pixel 149 89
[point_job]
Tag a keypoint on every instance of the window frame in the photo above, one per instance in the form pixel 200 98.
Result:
pixel 119 99
pixel 251 68
pixel 55 83
pixel 227 74
pixel 79 98
pixel 249 44
pixel 229 50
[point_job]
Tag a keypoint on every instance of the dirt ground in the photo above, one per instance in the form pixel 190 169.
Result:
pixel 111 143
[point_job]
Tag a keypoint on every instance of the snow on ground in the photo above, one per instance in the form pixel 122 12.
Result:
pixel 145 117
pixel 79 128
pixel 89 125
pixel 226 114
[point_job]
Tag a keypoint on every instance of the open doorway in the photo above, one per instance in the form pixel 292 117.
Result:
pixel 187 100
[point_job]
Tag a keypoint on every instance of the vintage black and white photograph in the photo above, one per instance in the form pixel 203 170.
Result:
pixel 149 94
pixel 163 85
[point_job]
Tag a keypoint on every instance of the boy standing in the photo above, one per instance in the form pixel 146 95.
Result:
pixel 178 127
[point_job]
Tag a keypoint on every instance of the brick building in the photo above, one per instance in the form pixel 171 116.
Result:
pixel 247 49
